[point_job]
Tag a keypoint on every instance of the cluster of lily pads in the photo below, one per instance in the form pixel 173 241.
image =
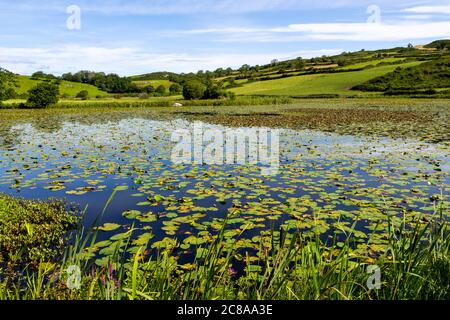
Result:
pixel 328 185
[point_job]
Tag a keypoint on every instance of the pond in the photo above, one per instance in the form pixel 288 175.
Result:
pixel 325 184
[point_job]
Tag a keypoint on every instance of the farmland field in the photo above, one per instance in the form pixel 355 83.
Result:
pixel 337 83
pixel 25 83
pixel 154 83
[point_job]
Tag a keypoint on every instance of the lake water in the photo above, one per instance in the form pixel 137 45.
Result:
pixel 325 183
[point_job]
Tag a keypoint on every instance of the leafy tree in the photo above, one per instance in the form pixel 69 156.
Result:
pixel 299 63
pixel 149 89
pixel 43 75
pixel 43 95
pixel 111 83
pixel 175 88
pixel 38 75
pixel 193 89
pixel 83 95
pixel 213 92
pixel 161 90
pixel 7 79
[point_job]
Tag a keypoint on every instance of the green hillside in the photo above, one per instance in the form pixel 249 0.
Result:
pixel 25 83
pixel 154 76
pixel 439 44
pixel 429 75
pixel 316 84
pixel 154 83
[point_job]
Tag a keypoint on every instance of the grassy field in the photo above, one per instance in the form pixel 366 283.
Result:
pixel 334 83
pixel 25 83
pixel 154 83
pixel 373 63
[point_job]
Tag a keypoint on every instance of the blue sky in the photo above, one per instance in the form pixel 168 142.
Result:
pixel 140 36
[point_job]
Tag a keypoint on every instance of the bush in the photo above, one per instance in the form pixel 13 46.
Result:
pixel 214 92
pixel 143 96
pixel 175 88
pixel 31 231
pixel 83 95
pixel 161 90
pixel 149 89
pixel 193 89
pixel 43 95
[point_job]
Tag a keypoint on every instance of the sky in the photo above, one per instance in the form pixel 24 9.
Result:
pixel 130 37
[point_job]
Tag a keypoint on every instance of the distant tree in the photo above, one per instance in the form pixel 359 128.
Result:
pixel 67 77
pixel 193 89
pixel 213 92
pixel 38 75
pixel 43 95
pixel 299 63
pixel 143 96
pixel 244 69
pixel 175 88
pixel 220 72
pixel 161 90
pixel 149 89
pixel 341 62
pixel 7 80
pixel 83 95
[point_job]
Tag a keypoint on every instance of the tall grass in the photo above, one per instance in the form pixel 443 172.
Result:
pixel 161 103
pixel 416 265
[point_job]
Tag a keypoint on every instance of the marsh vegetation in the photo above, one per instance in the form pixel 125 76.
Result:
pixel 361 183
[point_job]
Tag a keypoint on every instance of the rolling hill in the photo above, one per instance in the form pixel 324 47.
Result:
pixel 349 74
pixel 429 75
pixel 25 83
pixel 316 84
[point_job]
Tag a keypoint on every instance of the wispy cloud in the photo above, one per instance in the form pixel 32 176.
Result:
pixel 429 9
pixel 129 61
pixel 164 7
pixel 410 30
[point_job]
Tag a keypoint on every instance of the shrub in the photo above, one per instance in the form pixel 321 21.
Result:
pixel 161 90
pixel 175 88
pixel 143 96
pixel 83 95
pixel 43 95
pixel 32 231
pixel 149 89
pixel 214 92
pixel 193 89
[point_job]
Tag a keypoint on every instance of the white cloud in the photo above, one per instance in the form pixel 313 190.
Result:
pixel 129 61
pixel 403 30
pixel 417 17
pixel 158 7
pixel 162 7
pixel 429 9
